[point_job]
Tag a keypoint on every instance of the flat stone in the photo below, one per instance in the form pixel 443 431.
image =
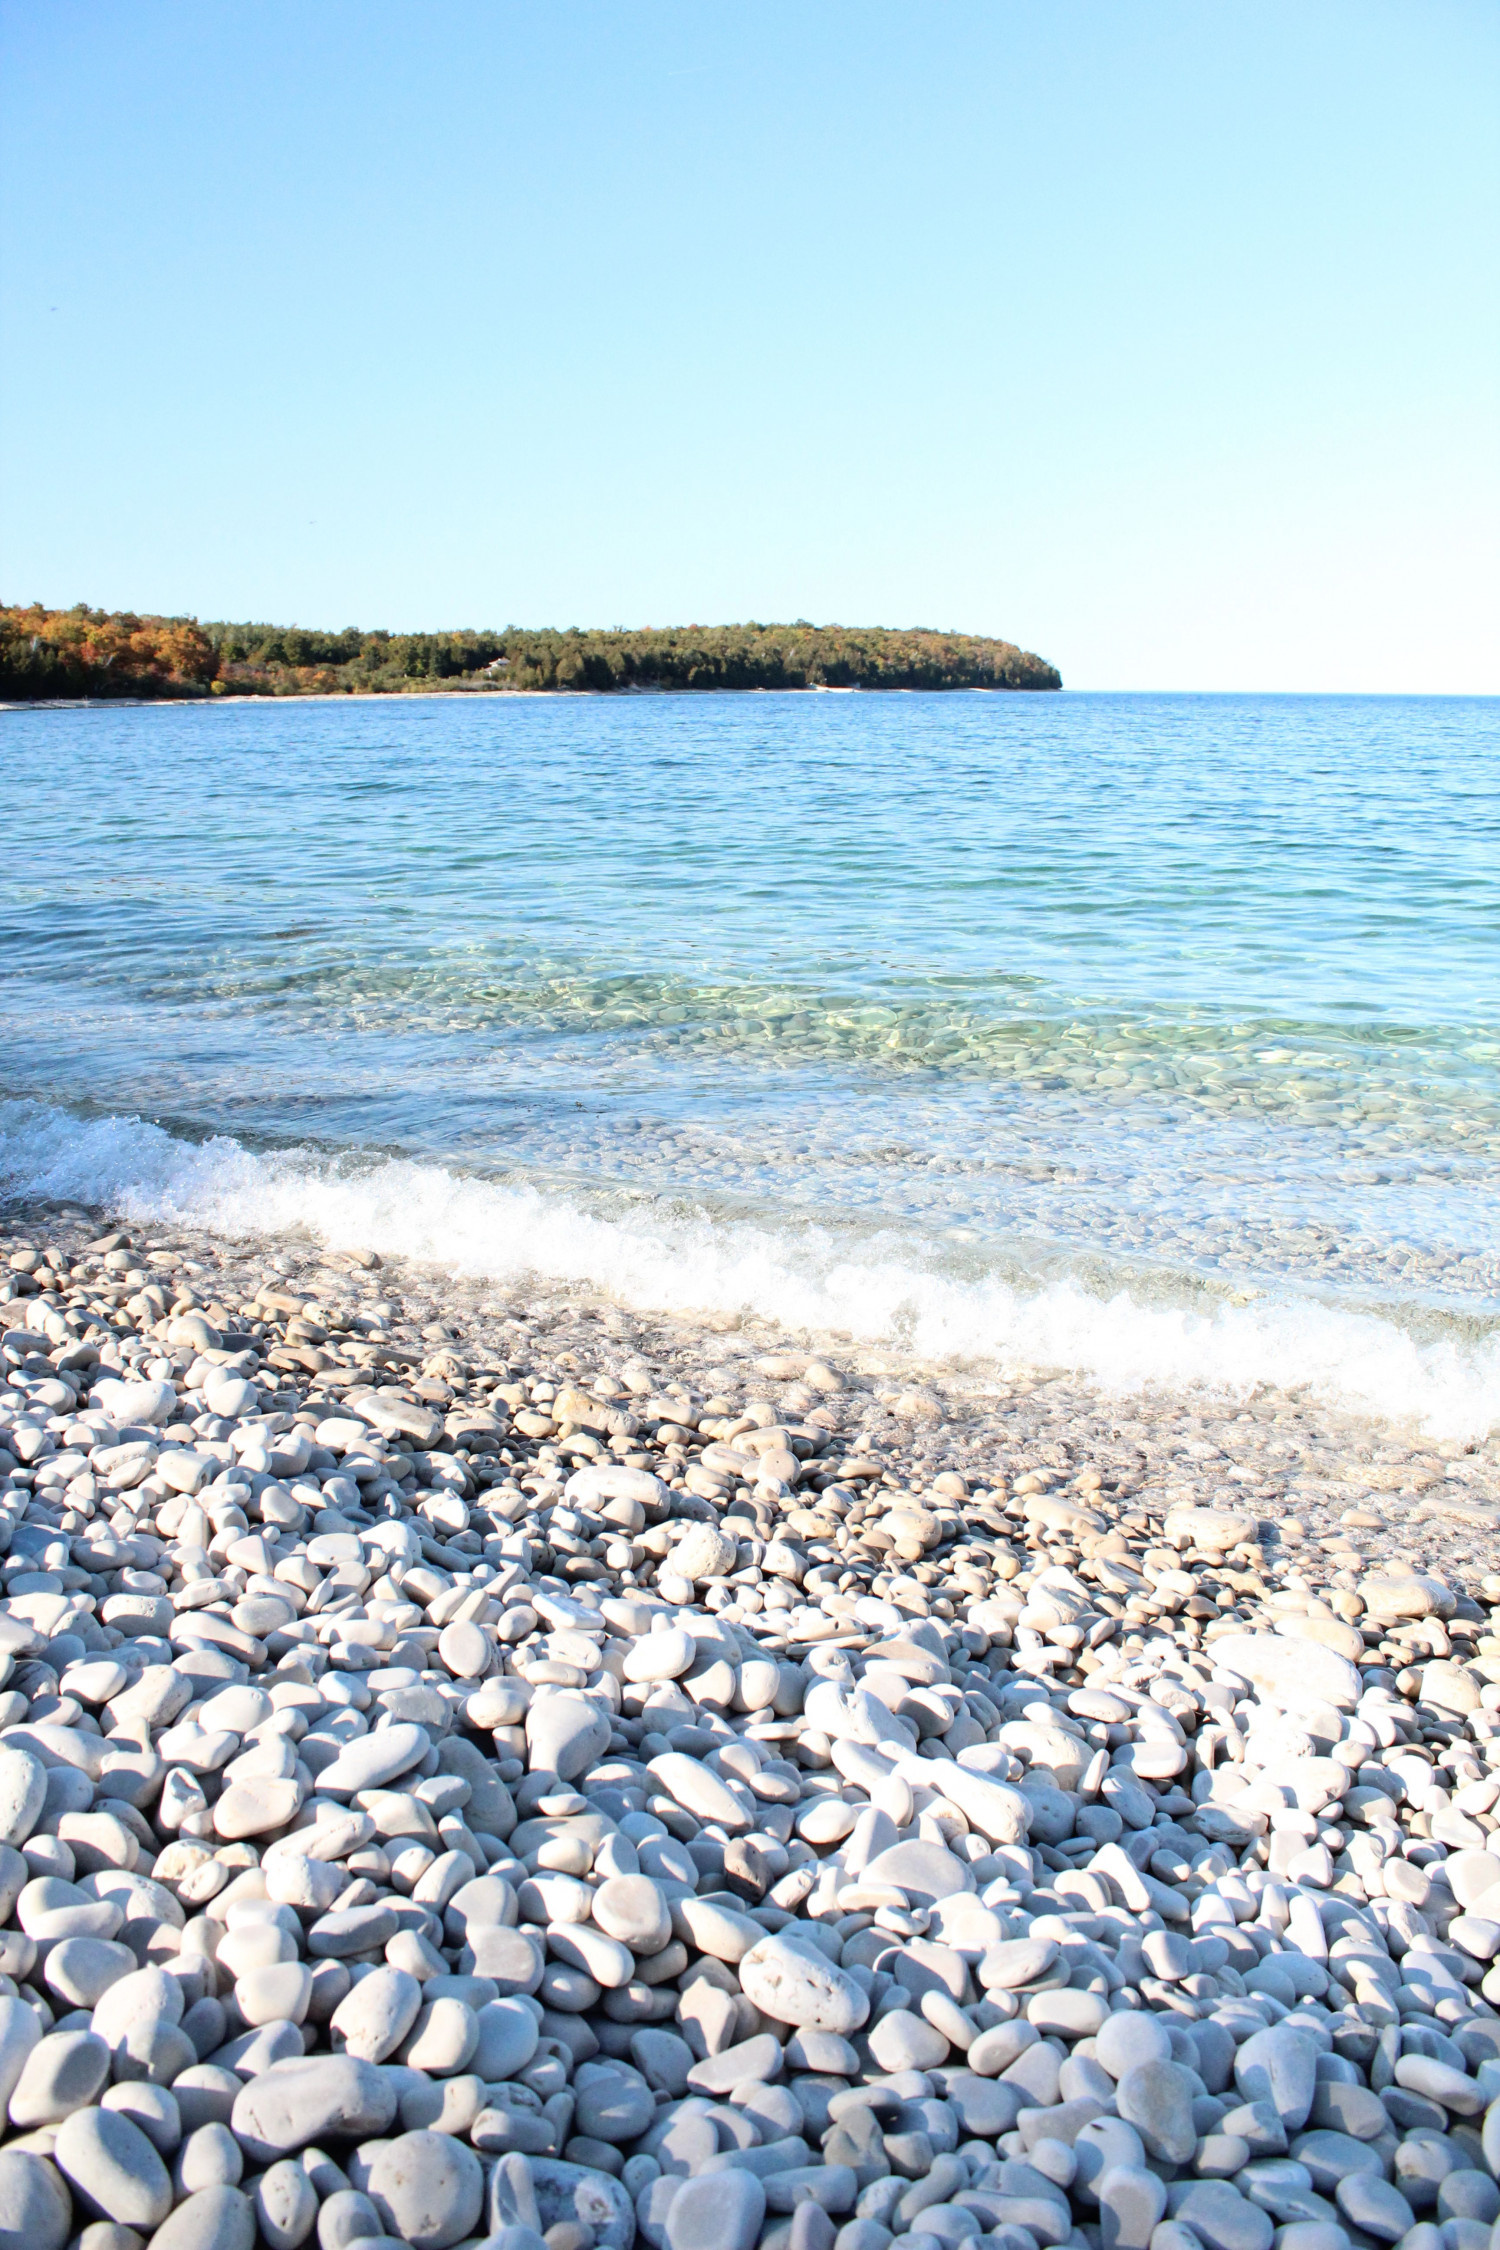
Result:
pixel 925 1872
pixel 302 2102
pixel 756 2060
pixel 373 1761
pixel 699 1791
pixel 1219 2216
pixel 1293 1669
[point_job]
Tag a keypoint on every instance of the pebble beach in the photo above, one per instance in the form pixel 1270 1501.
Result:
pixel 489 1766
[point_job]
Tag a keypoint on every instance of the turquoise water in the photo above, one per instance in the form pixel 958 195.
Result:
pixel 1152 1036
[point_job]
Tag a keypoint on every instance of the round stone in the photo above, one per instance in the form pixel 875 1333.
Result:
pixel 717 2211
pixel 465 1649
pixel 632 1909
pixel 428 2188
pixel 1129 2039
pixel 508 2038
pixel 902 2041
pixel 443 2039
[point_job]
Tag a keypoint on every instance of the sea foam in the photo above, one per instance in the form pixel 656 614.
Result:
pixel 654 1256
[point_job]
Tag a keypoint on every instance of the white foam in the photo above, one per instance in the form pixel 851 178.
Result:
pixel 654 1258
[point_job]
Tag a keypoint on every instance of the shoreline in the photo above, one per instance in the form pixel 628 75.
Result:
pixel 435 695
pixel 1281 1450
pixel 628 1779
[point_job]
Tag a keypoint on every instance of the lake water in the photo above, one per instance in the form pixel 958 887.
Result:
pixel 1153 1037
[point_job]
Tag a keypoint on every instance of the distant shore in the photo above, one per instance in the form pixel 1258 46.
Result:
pixel 84 655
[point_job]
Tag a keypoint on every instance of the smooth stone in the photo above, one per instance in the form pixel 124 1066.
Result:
pixel 512 1959
pixel 132 2011
pixel 1290 1669
pixel 286 2205
pixel 66 2070
pixel 1129 2039
pixel 902 2041
pixel 23 1792
pixel 465 1649
pixel 796 1983
pixel 1132 2204
pixel 699 1791
pixel 36 2211
pixel 508 2038
pixel 20 2029
pixel 719 2211
pixel 82 1970
pixel 925 1872
pixel 1220 2217
pixel 565 1735
pixel 1099 2147
pixel 301 2102
pixel 428 2187
pixel 571 2194
pixel 374 1761
pixel 632 1909
pixel 353 1930
pixel 1372 2204
pixel 112 2166
pixel 1157 2099
pixel 377 2013
pixel 611 2105
pixel 1279 2065
pixel 443 2039
pixel 1016 1961
pixel 221 2217
pixel 661 1656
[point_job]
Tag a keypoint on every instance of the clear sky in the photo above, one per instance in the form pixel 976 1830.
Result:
pixel 1161 336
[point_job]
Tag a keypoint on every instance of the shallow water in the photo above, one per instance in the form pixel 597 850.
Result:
pixel 1151 1036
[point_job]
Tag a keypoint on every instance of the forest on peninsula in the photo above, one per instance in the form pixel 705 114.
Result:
pixel 65 654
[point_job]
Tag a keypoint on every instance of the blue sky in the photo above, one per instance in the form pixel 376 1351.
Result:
pixel 1159 337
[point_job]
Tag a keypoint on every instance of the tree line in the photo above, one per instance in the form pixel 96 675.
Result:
pixel 47 654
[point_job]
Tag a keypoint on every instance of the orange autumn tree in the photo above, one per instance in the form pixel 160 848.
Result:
pixel 82 651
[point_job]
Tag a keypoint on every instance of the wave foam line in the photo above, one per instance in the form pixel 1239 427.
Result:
pixel 661 1262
